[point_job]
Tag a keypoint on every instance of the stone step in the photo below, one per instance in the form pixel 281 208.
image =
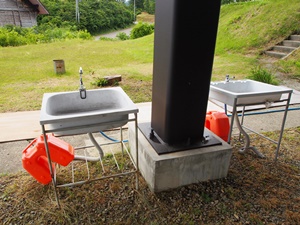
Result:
pixel 295 37
pixel 280 48
pixel 291 43
pixel 275 54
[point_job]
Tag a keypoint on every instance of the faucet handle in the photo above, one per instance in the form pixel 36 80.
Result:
pixel 227 79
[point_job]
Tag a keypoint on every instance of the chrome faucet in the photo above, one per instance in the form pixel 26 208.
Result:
pixel 227 78
pixel 82 90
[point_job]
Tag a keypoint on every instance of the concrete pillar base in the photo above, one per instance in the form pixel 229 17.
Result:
pixel 167 171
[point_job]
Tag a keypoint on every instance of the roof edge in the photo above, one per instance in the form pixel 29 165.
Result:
pixel 42 10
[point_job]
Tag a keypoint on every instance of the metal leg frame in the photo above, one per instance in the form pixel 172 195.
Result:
pixel 241 126
pixel 53 174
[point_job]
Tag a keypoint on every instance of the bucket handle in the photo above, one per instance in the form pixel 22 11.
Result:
pixel 29 145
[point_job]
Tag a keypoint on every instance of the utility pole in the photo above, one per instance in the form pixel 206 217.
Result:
pixel 134 10
pixel 77 12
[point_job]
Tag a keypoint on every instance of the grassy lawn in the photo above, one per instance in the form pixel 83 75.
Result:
pixel 28 71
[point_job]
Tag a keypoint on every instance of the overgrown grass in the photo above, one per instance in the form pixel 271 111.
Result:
pixel 254 25
pixel 262 75
pixel 290 65
pixel 145 17
pixel 244 30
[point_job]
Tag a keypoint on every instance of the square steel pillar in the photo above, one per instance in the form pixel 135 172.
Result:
pixel 184 44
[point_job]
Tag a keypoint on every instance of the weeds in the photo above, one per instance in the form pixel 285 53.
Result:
pixel 262 75
pixel 100 82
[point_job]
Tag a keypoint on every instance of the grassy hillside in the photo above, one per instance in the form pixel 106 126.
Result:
pixel 245 29
pixel 253 26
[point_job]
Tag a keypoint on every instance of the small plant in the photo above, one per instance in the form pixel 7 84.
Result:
pixel 262 75
pixel 122 36
pixel 205 197
pixel 100 82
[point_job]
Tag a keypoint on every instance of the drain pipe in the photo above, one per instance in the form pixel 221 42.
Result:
pixel 86 158
pixel 95 159
pixel 91 159
pixel 96 145
pixel 247 142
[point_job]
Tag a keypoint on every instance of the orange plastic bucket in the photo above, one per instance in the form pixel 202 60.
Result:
pixel 218 123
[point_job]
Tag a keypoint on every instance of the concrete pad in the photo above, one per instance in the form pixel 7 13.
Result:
pixel 172 170
pixel 19 126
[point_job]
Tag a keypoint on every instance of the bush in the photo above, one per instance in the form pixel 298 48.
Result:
pixel 84 34
pixel 262 75
pixel 16 36
pixel 122 36
pixel 9 37
pixel 141 30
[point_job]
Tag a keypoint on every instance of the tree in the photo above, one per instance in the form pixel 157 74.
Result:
pixel 95 15
pixel 143 5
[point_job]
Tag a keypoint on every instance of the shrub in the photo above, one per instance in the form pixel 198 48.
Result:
pixel 122 36
pixel 16 36
pixel 84 34
pixel 262 75
pixel 141 30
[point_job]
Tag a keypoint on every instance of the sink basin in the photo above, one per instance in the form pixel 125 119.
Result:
pixel 66 113
pixel 246 92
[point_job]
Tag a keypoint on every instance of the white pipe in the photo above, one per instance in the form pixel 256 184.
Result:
pixel 96 145
pixel 86 158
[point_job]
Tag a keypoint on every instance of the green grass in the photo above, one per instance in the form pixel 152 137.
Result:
pixel 257 24
pixel 245 29
pixel 28 71
pixel 262 75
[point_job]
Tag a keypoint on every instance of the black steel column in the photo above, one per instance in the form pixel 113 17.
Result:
pixel 184 44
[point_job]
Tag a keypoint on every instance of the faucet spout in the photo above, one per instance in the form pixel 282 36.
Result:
pixel 82 90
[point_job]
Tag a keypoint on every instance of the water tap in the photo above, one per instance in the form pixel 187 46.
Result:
pixel 82 90
pixel 227 78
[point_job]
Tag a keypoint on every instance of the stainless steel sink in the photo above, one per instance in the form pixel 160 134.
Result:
pixel 249 92
pixel 66 113
pixel 245 92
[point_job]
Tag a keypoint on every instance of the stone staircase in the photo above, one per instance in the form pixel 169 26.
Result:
pixel 284 48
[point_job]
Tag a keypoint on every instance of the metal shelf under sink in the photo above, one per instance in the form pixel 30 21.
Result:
pixel 102 172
